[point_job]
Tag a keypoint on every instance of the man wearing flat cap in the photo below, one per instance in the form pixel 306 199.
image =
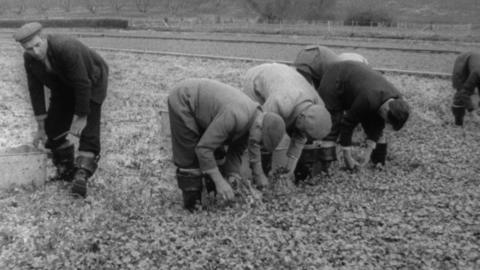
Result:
pixel 282 90
pixel 207 115
pixel 77 77
pixel 465 78
pixel 355 94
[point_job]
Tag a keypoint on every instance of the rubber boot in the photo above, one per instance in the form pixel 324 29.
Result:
pixel 191 186
pixel 459 114
pixel 63 159
pixel 305 163
pixel 327 155
pixel 379 154
pixel 84 169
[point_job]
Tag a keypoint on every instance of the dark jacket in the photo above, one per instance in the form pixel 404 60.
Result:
pixel 353 92
pixel 312 61
pixel 466 77
pixel 77 71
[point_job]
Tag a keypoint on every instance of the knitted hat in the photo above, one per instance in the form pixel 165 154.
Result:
pixel 353 57
pixel 318 122
pixel 313 59
pixel 27 32
pixel 398 113
pixel 273 130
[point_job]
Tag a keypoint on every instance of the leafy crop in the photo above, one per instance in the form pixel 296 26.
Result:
pixel 420 211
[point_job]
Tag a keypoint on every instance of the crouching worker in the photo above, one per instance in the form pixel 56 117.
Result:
pixel 77 77
pixel 206 115
pixel 282 90
pixel 465 78
pixel 356 94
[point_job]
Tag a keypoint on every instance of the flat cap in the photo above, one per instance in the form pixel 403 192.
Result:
pixel 273 130
pixel 27 31
pixel 318 122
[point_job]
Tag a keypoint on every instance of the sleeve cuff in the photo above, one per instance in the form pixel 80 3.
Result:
pixel 40 117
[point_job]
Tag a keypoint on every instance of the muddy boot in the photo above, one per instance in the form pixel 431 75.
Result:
pixel 190 182
pixel 63 160
pixel 305 163
pixel 84 169
pixel 327 155
pixel 379 154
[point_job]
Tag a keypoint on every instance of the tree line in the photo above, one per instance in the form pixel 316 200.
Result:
pixel 265 10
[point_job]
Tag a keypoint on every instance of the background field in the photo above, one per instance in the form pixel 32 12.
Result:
pixel 421 212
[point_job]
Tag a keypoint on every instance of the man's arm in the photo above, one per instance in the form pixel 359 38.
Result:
pixel 297 142
pixel 36 91
pixel 215 136
pixel 75 71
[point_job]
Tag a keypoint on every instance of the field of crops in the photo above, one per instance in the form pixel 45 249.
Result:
pixel 422 211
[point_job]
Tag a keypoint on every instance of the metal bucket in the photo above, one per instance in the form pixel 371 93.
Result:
pixel 22 165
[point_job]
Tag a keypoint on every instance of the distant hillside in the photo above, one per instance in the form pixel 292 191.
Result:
pixel 423 11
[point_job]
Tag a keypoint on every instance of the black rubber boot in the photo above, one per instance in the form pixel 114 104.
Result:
pixel 379 154
pixel 327 155
pixel 63 160
pixel 305 163
pixel 84 169
pixel 459 114
pixel 191 186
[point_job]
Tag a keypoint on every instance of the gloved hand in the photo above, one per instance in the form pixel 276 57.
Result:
pixel 224 190
pixel 78 124
pixel 39 137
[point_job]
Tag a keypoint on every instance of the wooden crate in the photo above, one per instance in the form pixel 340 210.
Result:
pixel 23 165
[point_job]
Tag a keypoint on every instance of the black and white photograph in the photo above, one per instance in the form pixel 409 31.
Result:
pixel 239 134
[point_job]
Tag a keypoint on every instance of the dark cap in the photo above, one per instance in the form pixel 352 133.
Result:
pixel 27 32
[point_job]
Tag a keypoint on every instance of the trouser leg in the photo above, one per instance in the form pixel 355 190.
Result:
pixel 57 123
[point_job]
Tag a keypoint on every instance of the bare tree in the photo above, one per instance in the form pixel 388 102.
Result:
pixel 318 9
pixel 143 5
pixel 173 6
pixel 92 5
pixel 271 10
pixel 65 5
pixel 4 6
pixel 41 6
pixel 117 5
pixel 19 6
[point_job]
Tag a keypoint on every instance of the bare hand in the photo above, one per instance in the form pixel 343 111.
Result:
pixel 261 181
pixel 78 124
pixel 39 138
pixel 224 190
pixel 351 163
pixel 349 160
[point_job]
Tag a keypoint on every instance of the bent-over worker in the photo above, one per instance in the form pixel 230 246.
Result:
pixel 206 115
pixel 355 94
